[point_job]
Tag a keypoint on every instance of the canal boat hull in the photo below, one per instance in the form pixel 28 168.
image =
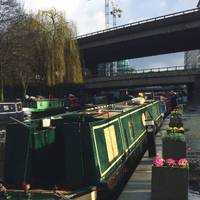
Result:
pixel 98 148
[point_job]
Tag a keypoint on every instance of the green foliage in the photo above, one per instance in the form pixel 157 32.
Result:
pixel 175 130
pixel 58 52
pixel 173 136
pixel 40 49
pixel 176 121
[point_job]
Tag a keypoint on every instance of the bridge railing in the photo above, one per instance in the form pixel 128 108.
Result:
pixel 161 69
pixel 125 72
pixel 140 22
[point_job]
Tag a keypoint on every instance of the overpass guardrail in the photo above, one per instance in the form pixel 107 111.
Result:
pixel 130 72
pixel 140 22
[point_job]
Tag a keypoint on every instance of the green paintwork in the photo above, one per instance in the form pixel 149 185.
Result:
pixel 127 137
pixel 45 104
pixel 75 151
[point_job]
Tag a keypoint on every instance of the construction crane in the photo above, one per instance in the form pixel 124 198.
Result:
pixel 116 12
pixel 107 14
pixel 111 67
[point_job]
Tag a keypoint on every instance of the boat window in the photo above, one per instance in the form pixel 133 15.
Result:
pixel 158 110
pixel 7 108
pixel 147 115
pixel 19 107
pixel 143 118
pixel 131 129
pixel 111 142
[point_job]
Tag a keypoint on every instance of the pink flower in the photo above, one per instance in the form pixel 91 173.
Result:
pixel 183 163
pixel 158 161
pixel 170 162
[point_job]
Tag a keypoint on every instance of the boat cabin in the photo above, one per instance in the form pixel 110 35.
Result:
pixel 10 109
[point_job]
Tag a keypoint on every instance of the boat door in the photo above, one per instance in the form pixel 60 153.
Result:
pixel 74 169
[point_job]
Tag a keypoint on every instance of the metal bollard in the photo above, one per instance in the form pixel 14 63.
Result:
pixel 150 128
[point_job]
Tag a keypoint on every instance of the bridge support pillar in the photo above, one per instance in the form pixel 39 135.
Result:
pixel 194 91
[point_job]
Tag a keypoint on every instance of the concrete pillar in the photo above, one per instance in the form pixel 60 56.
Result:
pixel 194 90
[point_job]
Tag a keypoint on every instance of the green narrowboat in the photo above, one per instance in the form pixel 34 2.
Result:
pixel 83 155
pixel 43 107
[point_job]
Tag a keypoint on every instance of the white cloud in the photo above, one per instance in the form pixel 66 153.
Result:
pixel 70 7
pixel 89 16
pixel 163 4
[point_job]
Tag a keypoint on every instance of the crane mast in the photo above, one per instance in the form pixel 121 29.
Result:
pixel 111 67
pixel 116 12
pixel 107 13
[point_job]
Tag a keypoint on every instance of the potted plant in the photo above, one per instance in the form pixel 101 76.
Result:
pixel 176 118
pixel 175 130
pixel 174 144
pixel 177 112
pixel 175 121
pixel 169 179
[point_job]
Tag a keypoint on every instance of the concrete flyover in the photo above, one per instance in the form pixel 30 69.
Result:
pixel 166 34
pixel 151 78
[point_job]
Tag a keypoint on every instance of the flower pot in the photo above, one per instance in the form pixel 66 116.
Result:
pixel 173 149
pixel 175 121
pixel 169 183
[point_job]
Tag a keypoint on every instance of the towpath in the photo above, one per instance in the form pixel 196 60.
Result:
pixel 139 184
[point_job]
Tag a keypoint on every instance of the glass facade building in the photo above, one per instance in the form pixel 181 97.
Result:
pixel 192 58
pixel 113 68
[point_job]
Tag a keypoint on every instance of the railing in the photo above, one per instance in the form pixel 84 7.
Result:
pixel 161 69
pixel 143 71
pixel 141 22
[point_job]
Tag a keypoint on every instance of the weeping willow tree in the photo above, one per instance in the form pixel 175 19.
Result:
pixel 41 48
pixel 58 55
pixel 72 59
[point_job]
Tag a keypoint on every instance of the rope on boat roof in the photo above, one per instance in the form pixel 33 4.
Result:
pixel 20 122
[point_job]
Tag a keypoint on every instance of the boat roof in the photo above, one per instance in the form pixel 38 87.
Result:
pixel 10 102
pixel 101 111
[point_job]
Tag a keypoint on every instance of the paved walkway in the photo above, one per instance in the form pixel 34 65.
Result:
pixel 139 184
pixel 191 121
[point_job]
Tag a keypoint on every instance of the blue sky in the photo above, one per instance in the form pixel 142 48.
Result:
pixel 88 15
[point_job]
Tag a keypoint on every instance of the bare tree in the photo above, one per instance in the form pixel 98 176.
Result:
pixel 9 12
pixel 23 36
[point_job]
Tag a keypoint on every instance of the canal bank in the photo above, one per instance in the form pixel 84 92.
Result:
pixel 192 123
pixel 139 185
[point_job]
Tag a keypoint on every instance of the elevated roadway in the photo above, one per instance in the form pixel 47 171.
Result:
pixel 149 77
pixel 165 34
